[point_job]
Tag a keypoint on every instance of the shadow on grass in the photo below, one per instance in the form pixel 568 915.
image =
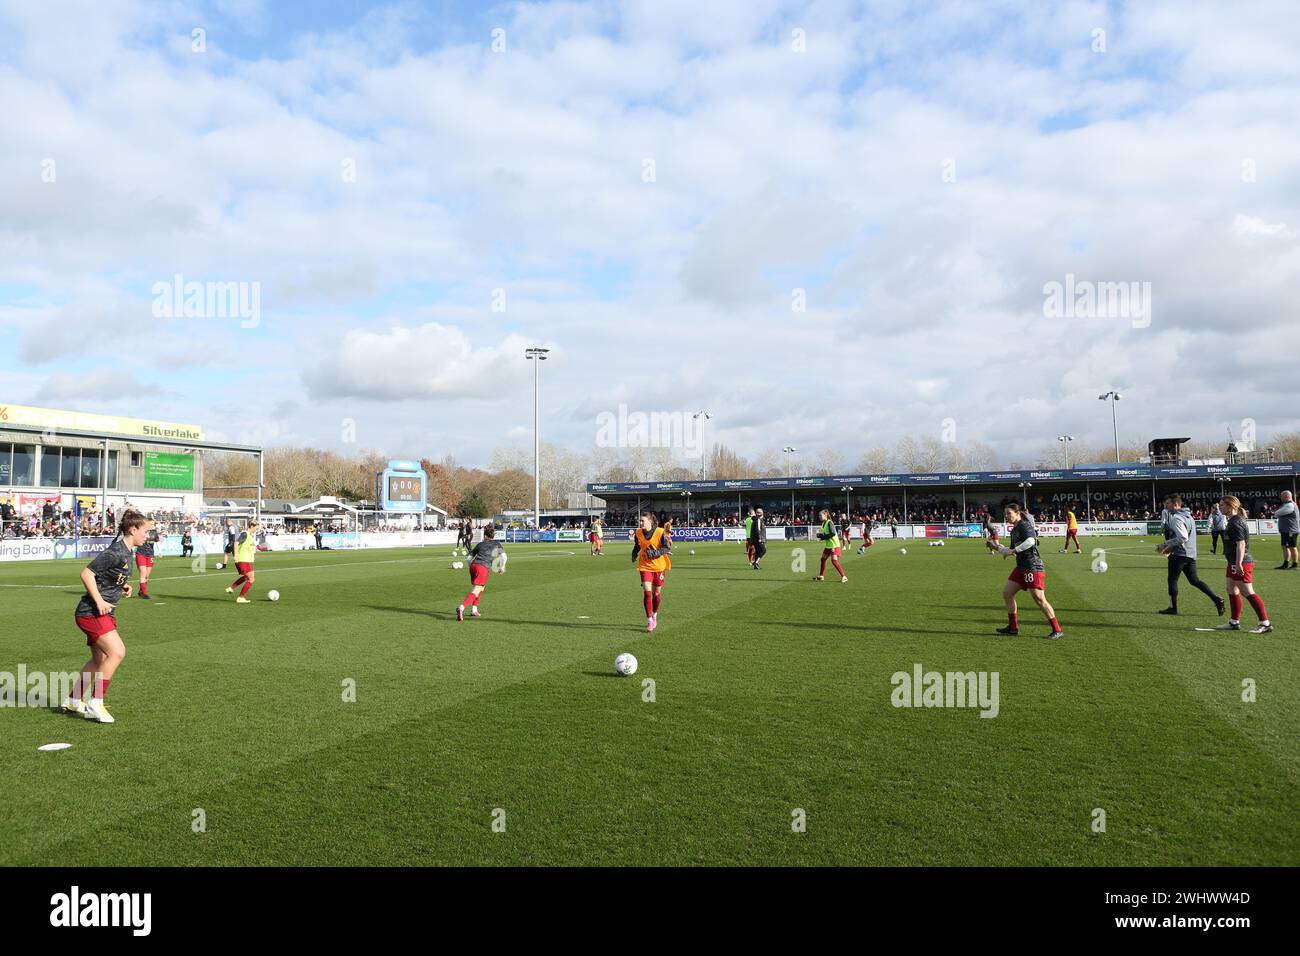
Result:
pixel 601 674
pixel 224 599
pixel 451 616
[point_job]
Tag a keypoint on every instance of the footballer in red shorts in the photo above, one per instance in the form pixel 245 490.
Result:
pixel 1029 574
pixel 1241 568
pixel 144 561
pixel 480 569
pixel 106 580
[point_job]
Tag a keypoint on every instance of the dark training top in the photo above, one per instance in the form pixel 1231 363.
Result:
pixel 1028 559
pixel 146 549
pixel 1237 531
pixel 485 552
pixel 112 569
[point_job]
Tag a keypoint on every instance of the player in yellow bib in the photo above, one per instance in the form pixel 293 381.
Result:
pixel 1071 532
pixel 246 548
pixel 597 538
pixel 651 548
pixel 830 539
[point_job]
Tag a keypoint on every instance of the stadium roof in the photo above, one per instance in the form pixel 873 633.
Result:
pixel 862 482
pixel 201 445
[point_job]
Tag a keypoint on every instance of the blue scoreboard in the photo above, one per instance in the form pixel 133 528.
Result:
pixel 403 486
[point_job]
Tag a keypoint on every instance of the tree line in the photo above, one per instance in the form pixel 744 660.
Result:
pixel 507 483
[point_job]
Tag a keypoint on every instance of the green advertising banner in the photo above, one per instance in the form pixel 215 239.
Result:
pixel 173 472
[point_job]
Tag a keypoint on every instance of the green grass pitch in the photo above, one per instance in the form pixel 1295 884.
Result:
pixel 772 694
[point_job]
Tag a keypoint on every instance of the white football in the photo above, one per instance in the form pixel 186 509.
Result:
pixel 220 566
pixel 692 550
pixel 902 551
pixel 1100 567
pixel 625 664
pixel 273 595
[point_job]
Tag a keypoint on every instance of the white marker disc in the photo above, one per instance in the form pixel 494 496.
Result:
pixel 54 747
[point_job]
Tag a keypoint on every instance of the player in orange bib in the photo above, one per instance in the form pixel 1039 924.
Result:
pixel 651 550
pixel 1071 531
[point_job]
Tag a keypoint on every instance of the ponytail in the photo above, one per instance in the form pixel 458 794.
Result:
pixel 131 519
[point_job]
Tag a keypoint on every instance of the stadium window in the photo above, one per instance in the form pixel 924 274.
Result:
pixel 24 466
pixel 50 466
pixel 112 469
pixel 90 468
pixel 6 464
pixel 70 473
pixel 137 459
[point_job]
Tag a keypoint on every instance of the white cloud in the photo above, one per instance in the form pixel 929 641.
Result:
pixel 774 169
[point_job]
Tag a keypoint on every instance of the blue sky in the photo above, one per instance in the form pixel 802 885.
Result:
pixel 643 187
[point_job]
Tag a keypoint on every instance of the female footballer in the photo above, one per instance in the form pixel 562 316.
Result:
pixel 651 551
pixel 1236 548
pixel 246 548
pixel 144 561
pixel 481 562
pixel 830 539
pixel 1029 575
pixel 106 581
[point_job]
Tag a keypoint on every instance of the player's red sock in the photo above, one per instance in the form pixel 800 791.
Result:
pixel 821 573
pixel 1056 625
pixel 101 689
pixel 469 599
pixel 836 562
pixel 477 597
pixel 649 604
pixel 247 586
pixel 79 688
pixel 656 602
pixel 238 581
pixel 144 589
pixel 1234 602
pixel 1013 619
pixel 1257 603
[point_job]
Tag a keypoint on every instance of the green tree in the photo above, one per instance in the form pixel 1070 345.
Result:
pixel 471 506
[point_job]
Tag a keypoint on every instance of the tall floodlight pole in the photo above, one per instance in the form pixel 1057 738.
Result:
pixel 1065 440
pixel 789 450
pixel 703 417
pixel 1113 397
pixel 537 356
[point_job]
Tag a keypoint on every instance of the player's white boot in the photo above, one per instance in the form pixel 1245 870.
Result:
pixel 1265 627
pixel 75 705
pixel 95 710
pixel 473 611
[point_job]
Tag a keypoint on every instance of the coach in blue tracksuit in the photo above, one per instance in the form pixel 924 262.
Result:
pixel 1180 547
